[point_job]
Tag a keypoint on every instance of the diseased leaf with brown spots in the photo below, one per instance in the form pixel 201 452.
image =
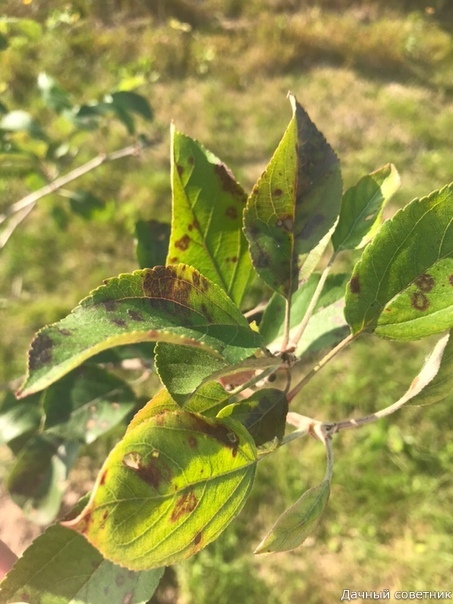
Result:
pixel 206 230
pixel 157 501
pixel 294 204
pixel 172 304
pixel 402 287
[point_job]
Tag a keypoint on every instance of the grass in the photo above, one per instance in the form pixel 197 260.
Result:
pixel 377 82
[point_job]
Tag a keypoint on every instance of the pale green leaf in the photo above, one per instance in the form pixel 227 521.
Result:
pixel 362 206
pixel 156 501
pixel 297 522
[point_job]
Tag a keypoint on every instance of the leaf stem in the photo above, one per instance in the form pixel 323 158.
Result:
pixel 311 307
pixel 329 356
pixel 287 324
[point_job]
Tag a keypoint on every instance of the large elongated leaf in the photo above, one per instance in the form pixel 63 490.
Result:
pixel 441 385
pixel 61 567
pixel 361 208
pixel 297 522
pixel 294 204
pixel 157 501
pixel 402 288
pixel 173 304
pixel 206 230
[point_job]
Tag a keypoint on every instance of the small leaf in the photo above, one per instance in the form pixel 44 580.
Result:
pixel 156 500
pixel 206 229
pixel 362 206
pixel 171 304
pixel 85 204
pixel 294 204
pixel 131 101
pixel 61 567
pixel 441 384
pixel 297 522
pixel 54 96
pixel 263 414
pixel 402 287
pixel 36 481
pixel 86 403
pixel 152 240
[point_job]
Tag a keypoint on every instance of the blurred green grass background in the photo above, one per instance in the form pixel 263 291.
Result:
pixel 377 78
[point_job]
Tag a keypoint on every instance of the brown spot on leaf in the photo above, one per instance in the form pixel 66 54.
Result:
pixel 153 472
pixel 183 243
pixel 450 279
pixel 191 160
pixel 206 313
pixel 64 332
pixel 110 305
pixel 217 431
pixel 173 260
pixel 197 538
pixel 120 578
pixel 286 221
pixel 180 169
pixel 164 285
pixel 419 301
pixel 119 322
pixel 102 478
pixel 425 283
pixel 184 505
pixel 278 192
pixel 105 515
pixel 134 315
pixel 41 351
pixel 193 443
pixel 231 212
pixel 354 285
pixel 228 183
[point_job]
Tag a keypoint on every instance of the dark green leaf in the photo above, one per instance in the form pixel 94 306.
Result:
pixel 294 204
pixel 85 204
pixel 263 414
pixel 19 418
pixel 152 240
pixel 131 101
pixel 361 208
pixel 61 567
pixel 206 229
pixel 172 304
pixel 402 288
pixel 156 500
pixel 36 481
pixel 86 403
pixel 297 522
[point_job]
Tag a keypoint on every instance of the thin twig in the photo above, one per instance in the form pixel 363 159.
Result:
pixel 32 198
pixel 15 221
pixel 287 324
pixel 310 375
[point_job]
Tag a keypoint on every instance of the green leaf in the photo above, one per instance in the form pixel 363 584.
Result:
pixel 263 414
pixel 182 369
pixel 86 403
pixel 36 481
pixel 441 385
pixel 402 287
pixel 297 522
pixel 326 328
pixel 19 418
pixel 131 101
pixel 54 96
pixel 85 204
pixel 206 230
pixel 293 205
pixel 61 567
pixel 272 323
pixel 156 500
pixel 172 304
pixel 362 206
pixel 152 240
